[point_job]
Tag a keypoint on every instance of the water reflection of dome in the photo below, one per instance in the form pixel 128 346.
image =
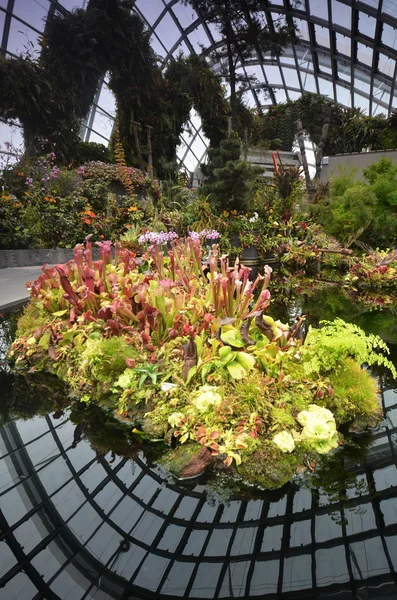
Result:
pixel 78 525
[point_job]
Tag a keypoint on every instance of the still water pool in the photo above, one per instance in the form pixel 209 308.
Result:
pixel 81 517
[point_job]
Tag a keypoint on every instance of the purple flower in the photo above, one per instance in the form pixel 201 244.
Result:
pixel 80 170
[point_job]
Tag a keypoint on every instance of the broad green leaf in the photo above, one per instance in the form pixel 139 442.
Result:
pixel 227 355
pixel 233 338
pixel 246 360
pixel 236 370
pixel 224 352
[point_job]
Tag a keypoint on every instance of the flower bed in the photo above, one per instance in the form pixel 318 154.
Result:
pixel 185 353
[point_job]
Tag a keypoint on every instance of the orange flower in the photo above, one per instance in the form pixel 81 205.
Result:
pixel 102 236
pixel 88 221
pixel 132 208
pixel 129 226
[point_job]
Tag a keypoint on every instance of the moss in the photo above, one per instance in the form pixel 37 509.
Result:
pixel 106 358
pixel 355 392
pixel 153 429
pixel 269 468
pixel 31 319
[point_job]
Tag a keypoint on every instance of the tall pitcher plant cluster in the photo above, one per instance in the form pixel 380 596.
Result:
pixel 170 295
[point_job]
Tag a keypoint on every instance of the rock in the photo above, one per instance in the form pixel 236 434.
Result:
pixel 268 470
pixel 187 461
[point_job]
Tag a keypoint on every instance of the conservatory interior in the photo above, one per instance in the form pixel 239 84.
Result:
pixel 198 328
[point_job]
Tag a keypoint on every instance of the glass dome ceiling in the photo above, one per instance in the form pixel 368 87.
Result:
pixel 347 51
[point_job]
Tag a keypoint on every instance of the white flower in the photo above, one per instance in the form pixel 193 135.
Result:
pixel 175 419
pixel 207 397
pixel 284 441
pixel 254 218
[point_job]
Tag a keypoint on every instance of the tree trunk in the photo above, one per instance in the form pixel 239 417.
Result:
pixel 301 142
pixel 323 139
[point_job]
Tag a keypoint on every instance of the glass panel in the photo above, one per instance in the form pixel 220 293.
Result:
pixel 368 559
pixel 33 13
pixel 150 10
pixel 22 39
pixel 309 83
pixel 303 29
pixel 341 14
pixel 280 94
pixel 291 78
pixel 389 36
pixel 343 44
pixel 364 54
pixel 319 8
pixel 265 578
pixel 389 7
pixel 185 14
pixel 198 37
pixel 343 95
pixel 361 82
pixel 322 36
pixel 362 103
pixel 366 24
pixel 344 72
pixel 297 573
pixel 386 65
pixel 331 571
pixel 168 31
pixel 273 74
pixel 157 46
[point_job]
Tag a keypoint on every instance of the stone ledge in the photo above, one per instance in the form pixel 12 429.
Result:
pixel 37 256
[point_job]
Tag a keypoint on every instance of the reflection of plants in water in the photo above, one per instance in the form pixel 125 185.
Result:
pixel 8 327
pixel 336 478
pixel 24 397
pixel 104 433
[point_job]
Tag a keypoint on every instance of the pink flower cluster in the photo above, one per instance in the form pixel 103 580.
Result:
pixel 157 239
pixel 208 234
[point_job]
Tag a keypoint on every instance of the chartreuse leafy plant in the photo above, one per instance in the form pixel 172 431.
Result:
pixel 184 350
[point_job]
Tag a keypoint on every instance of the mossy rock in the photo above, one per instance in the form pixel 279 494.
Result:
pixel 188 460
pixel 152 429
pixel 269 469
pixel 355 394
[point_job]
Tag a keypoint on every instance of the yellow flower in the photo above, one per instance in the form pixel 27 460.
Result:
pixel 132 208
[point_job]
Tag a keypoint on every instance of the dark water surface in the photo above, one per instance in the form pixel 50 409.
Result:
pixel 80 522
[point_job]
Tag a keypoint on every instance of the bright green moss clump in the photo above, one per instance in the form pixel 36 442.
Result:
pixel 355 392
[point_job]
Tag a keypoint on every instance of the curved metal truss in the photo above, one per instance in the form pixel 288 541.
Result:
pixel 75 523
pixel 347 50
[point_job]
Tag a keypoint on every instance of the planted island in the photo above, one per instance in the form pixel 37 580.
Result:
pixel 178 344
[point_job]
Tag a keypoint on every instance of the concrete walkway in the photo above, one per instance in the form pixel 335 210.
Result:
pixel 13 292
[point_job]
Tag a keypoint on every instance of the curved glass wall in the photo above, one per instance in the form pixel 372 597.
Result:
pixel 347 50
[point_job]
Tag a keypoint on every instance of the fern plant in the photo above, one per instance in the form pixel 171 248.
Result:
pixel 338 340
